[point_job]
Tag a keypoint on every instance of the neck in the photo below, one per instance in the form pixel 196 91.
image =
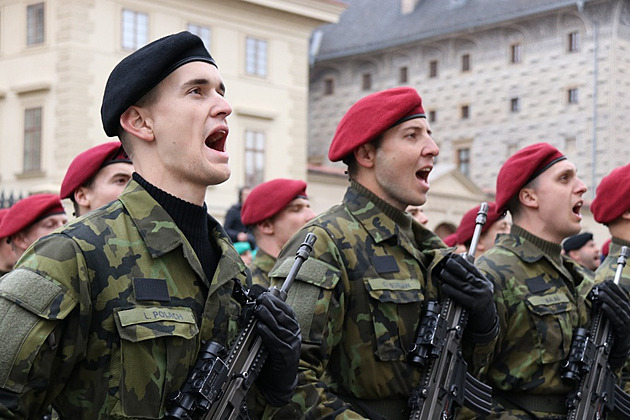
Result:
pixel 194 194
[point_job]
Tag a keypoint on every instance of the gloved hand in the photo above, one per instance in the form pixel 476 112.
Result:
pixel 615 305
pixel 462 282
pixel 280 333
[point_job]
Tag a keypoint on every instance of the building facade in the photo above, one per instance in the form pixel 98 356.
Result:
pixel 494 75
pixel 56 55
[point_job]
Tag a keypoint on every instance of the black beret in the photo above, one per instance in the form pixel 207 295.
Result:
pixel 576 241
pixel 143 69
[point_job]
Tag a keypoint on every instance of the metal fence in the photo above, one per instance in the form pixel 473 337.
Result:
pixel 8 198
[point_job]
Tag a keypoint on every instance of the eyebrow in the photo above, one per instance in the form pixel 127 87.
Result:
pixel 203 81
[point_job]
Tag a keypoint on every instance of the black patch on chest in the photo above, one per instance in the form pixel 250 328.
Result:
pixel 151 289
pixel 537 285
pixel 385 264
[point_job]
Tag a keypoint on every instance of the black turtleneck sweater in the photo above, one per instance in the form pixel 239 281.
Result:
pixel 194 222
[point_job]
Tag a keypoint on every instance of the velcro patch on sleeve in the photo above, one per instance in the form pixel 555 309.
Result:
pixel 29 290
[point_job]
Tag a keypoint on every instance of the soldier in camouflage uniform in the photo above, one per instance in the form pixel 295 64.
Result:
pixel 611 207
pixel 358 298
pixel 540 294
pixel 273 212
pixel 103 319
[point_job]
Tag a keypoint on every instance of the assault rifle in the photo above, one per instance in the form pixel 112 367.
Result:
pixel 446 383
pixel 596 393
pixel 219 381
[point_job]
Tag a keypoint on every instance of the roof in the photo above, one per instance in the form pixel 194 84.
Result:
pixel 370 25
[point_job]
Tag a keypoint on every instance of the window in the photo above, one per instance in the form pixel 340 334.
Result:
pixel 466 62
pixel 35 24
pixel 574 42
pixel 463 160
pixel 135 29
pixel 433 68
pixel 32 139
pixel 202 32
pixel 403 74
pixel 516 53
pixel 464 112
pixel 572 96
pixel 254 157
pixel 432 115
pixel 366 81
pixel 256 57
pixel 515 104
pixel 329 86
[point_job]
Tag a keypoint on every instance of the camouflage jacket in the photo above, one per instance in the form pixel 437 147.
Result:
pixel 106 315
pixel 606 271
pixel 260 268
pixel 540 301
pixel 358 300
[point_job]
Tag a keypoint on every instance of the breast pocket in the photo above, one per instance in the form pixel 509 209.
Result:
pixel 552 318
pixel 395 306
pixel 156 345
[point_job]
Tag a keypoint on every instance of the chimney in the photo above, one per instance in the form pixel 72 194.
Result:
pixel 408 6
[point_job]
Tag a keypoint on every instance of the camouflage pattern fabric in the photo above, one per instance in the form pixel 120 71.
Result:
pixel 540 301
pixel 358 300
pixel 260 268
pixel 606 271
pixel 115 306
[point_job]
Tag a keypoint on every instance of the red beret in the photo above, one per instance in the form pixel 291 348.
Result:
pixel 466 227
pixel 88 163
pixel 369 117
pixel 613 195
pixel 450 240
pixel 269 198
pixel 28 211
pixel 521 168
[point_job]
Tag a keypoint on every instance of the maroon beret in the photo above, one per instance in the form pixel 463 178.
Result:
pixel 269 198
pixel 521 168
pixel 88 163
pixel 28 211
pixel 450 240
pixel 369 117
pixel 613 195
pixel 466 227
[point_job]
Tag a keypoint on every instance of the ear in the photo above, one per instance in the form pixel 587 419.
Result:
pixel 266 227
pixel 626 215
pixel 528 197
pixel 81 197
pixel 20 242
pixel 365 155
pixel 136 121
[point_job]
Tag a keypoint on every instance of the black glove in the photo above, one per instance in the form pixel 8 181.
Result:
pixel 462 282
pixel 616 308
pixel 280 333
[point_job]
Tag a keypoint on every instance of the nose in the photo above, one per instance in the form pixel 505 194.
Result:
pixel 308 214
pixel 580 187
pixel 222 107
pixel 431 148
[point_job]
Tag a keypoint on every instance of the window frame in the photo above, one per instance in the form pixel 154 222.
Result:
pixel 134 37
pixel 35 30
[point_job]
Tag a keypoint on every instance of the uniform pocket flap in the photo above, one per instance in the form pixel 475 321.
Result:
pixel 312 271
pixel 148 322
pixel 551 304
pixel 394 290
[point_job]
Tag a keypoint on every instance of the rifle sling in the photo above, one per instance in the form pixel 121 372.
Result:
pixel 551 404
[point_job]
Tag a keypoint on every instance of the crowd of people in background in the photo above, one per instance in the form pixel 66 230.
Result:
pixel 130 289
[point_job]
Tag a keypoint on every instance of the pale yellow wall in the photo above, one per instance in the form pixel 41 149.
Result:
pixel 67 75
